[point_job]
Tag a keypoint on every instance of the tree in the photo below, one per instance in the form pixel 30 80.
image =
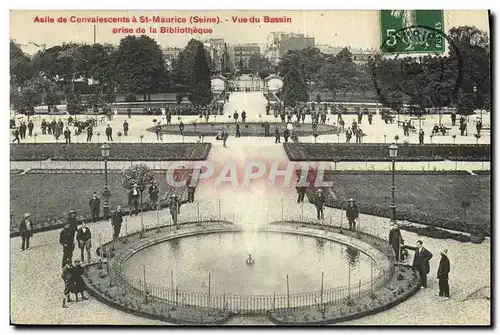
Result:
pixel 139 66
pixel 294 87
pixel 20 66
pixel 470 47
pixel 74 103
pixel 139 174
pixel 24 100
pixel 200 86
pixel 254 62
pixel 309 61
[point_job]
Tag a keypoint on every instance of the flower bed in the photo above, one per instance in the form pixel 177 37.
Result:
pixel 428 199
pixel 118 152
pixel 482 172
pixel 135 303
pixel 379 152
pixel 246 129
pixel 401 287
pixel 72 191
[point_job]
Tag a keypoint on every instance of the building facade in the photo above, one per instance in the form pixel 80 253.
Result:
pixel 242 54
pixel 292 41
pixel 217 49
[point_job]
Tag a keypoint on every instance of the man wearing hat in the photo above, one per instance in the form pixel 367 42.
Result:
pixel 320 204
pixel 133 199
pixel 84 238
pixel 352 213
pixel 421 262
pixel 442 275
pixel 73 222
pixel 396 240
pixel 67 240
pixel 95 207
pixel 26 231
pixel 116 222
pixel 174 207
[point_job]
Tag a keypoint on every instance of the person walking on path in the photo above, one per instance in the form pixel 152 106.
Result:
pixel 396 241
pixel 67 135
pixel 191 187
pixel 67 275
pixel 158 131
pixel 16 136
pixel 442 275
pixel 109 133
pixel 44 127
pixel 116 222
pixel 30 128
pixel 133 200
pixel 277 135
pixel 153 196
pixel 479 126
pixel 320 205
pixel 90 132
pixel 243 116
pixel 352 213
pixel 235 116
pixel 77 283
pixel 238 134
pixel 73 222
pixel 95 207
pixel 125 128
pixel 26 231
pixel 348 135
pixel 84 239
pixel 67 240
pixel 286 135
pixel 421 136
pixel 421 262
pixel 225 135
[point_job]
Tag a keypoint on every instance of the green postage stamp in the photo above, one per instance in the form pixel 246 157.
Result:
pixel 412 31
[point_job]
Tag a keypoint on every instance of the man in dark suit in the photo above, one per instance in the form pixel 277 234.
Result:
pixel 320 204
pixel 352 213
pixel 421 262
pixel 133 199
pixel 26 231
pixel 153 196
pixel 84 238
pixel 442 275
pixel 95 207
pixel 396 240
pixel 116 222
pixel 67 240
pixel 73 222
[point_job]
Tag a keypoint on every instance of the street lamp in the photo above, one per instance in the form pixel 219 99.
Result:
pixel 474 89
pixel 393 153
pixel 105 148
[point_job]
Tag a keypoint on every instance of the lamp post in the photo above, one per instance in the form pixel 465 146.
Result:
pixel 474 89
pixel 393 153
pixel 105 148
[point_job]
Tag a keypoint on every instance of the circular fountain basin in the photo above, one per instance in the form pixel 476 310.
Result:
pixel 223 255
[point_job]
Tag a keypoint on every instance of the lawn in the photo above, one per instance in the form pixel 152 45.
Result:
pixel 246 129
pixel 118 151
pixel 428 199
pixel 51 196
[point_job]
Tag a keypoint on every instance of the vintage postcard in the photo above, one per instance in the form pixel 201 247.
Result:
pixel 250 167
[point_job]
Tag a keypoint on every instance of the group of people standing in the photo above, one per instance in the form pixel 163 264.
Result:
pixel 421 260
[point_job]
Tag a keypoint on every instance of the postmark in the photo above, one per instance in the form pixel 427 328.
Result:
pixel 402 31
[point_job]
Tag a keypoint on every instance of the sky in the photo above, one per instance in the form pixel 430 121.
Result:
pixel 357 28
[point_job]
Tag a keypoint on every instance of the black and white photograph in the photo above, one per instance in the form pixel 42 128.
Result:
pixel 250 167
